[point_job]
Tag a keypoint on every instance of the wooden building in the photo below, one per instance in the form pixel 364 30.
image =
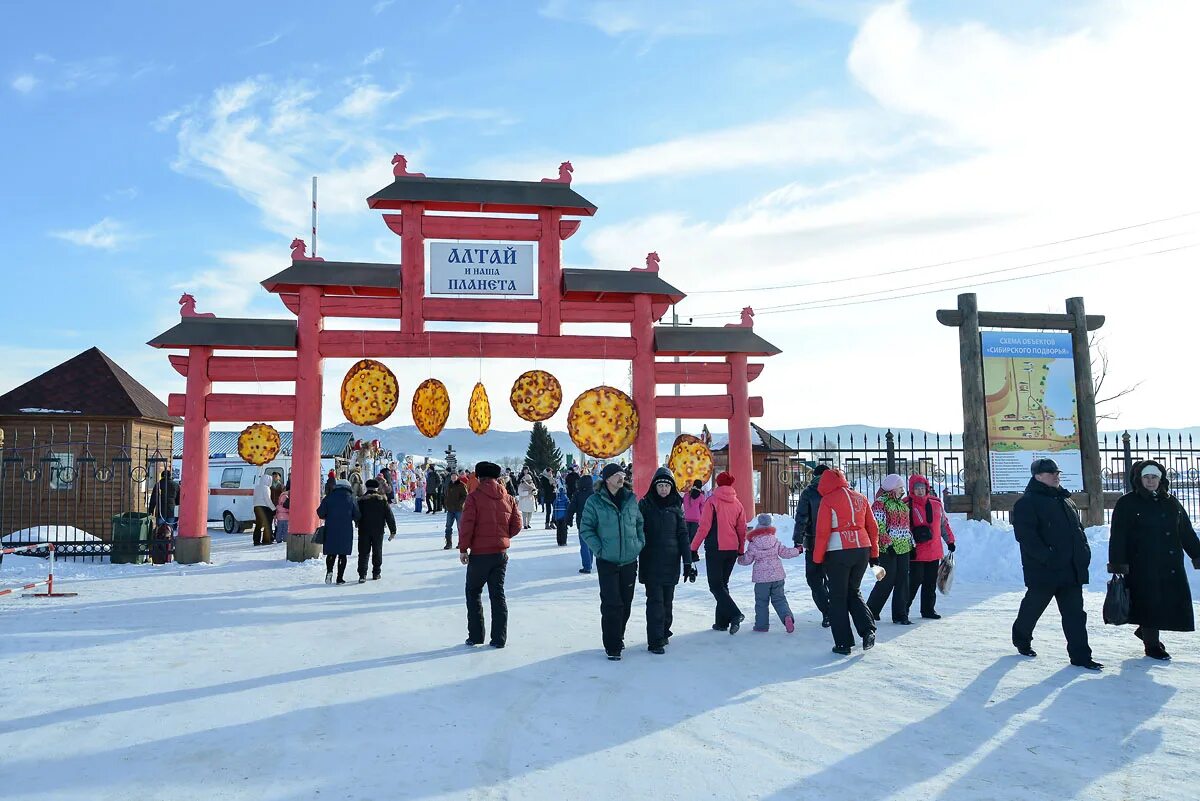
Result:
pixel 772 469
pixel 81 442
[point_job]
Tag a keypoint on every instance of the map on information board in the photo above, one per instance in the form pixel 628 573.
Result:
pixel 1029 395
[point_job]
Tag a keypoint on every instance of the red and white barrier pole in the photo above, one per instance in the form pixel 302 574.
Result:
pixel 49 580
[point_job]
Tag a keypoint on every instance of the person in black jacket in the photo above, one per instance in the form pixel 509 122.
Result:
pixel 804 537
pixel 572 481
pixel 163 500
pixel 546 493
pixel 667 546
pixel 374 513
pixel 575 512
pixel 1054 558
pixel 1150 533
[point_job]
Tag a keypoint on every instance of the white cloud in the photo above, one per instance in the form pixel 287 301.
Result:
pixel 367 99
pixel 494 117
pixel 24 83
pixel 658 19
pixel 373 56
pixel 270 40
pixel 381 6
pixel 108 234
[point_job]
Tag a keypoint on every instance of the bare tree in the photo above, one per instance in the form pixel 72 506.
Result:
pixel 1100 363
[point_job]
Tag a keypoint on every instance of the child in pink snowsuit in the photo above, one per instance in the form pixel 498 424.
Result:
pixel 766 554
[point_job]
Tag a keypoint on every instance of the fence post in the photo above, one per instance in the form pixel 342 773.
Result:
pixel 1128 463
pixel 891 451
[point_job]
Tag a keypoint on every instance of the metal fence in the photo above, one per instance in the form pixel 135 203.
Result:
pixel 866 459
pixel 65 484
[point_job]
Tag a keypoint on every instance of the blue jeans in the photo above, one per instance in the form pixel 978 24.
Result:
pixel 585 554
pixel 417 501
pixel 452 519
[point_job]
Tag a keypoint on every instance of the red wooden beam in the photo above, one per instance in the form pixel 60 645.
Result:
pixel 230 408
pixel 566 228
pixel 701 407
pixel 502 228
pixel 454 345
pixel 176 403
pixel 580 311
pixel 243 368
pixel 483 311
pixel 699 372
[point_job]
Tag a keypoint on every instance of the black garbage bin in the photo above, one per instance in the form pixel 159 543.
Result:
pixel 131 533
pixel 162 545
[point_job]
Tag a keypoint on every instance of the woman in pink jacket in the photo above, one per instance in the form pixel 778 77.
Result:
pixel 766 554
pixel 723 531
pixel 693 504
pixel 929 526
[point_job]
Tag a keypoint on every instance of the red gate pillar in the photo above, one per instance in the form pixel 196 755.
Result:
pixel 645 446
pixel 193 543
pixel 412 269
pixel 550 274
pixel 306 433
pixel 741 456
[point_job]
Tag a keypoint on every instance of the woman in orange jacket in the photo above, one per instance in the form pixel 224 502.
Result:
pixel 847 541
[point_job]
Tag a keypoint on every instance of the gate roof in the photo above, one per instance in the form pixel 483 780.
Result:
pixel 338 278
pixel 470 194
pixel 229 332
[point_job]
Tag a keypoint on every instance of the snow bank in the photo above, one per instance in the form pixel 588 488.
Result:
pixel 49 534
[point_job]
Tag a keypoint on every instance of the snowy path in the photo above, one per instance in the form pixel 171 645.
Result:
pixel 251 679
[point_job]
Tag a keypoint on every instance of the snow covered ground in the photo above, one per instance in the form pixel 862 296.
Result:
pixel 252 679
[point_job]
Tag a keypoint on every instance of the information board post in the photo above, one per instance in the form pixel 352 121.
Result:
pixel 977 477
pixel 1089 438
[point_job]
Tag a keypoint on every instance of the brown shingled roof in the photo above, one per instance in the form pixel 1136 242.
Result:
pixel 88 385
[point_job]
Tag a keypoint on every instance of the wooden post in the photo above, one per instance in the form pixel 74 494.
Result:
pixel 645 446
pixel 1085 403
pixel 978 481
pixel 193 544
pixel 412 269
pixel 550 275
pixel 741 454
pixel 306 432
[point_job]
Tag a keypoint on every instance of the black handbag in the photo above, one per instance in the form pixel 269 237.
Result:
pixel 319 536
pixel 1117 602
pixel 923 533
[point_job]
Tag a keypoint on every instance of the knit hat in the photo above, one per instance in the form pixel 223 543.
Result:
pixel 819 469
pixel 487 470
pixel 1151 470
pixel 609 471
pixel 762 521
pixel 372 484
pixel 724 479
pixel 891 482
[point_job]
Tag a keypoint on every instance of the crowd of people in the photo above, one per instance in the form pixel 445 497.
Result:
pixel 903 536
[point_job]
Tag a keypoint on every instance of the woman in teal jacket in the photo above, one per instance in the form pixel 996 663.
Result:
pixel 613 529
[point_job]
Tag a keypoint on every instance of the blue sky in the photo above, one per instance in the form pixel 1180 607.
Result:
pixel 152 148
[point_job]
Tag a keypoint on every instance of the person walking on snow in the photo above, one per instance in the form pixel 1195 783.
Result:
pixel 693 504
pixel 561 520
pixel 489 522
pixel 613 528
pixel 575 512
pixel 804 537
pixel 929 526
pixel 262 510
pixel 766 553
pixel 527 499
pixel 546 494
pixel 455 500
pixel 895 550
pixel 667 548
pixel 339 510
pixel 1055 556
pixel 418 492
pixel 847 541
pixel 723 531
pixel 374 513
pixel 1149 534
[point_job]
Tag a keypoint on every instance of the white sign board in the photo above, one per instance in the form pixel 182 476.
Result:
pixel 480 268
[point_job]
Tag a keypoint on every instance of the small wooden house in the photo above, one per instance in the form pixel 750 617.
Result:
pixel 772 465
pixel 81 442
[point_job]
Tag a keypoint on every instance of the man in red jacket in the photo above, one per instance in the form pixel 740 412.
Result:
pixel 489 520
pixel 847 541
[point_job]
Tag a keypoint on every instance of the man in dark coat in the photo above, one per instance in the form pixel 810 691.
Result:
pixel 667 547
pixel 804 537
pixel 1150 533
pixel 1055 558
pixel 575 512
pixel 455 499
pixel 546 494
pixel 339 510
pixel 374 513
pixel 490 520
pixel 572 481
pixel 164 499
